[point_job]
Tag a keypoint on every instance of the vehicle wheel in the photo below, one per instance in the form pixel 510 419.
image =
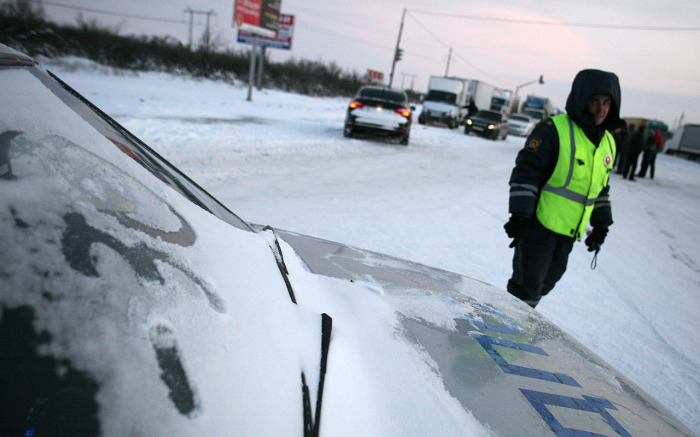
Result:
pixel 452 124
pixel 347 132
pixel 505 135
pixel 421 120
pixel 494 136
pixel 403 140
pixel 466 129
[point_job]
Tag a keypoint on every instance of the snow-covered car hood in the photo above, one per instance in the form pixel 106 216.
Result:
pixel 492 353
pixel 133 303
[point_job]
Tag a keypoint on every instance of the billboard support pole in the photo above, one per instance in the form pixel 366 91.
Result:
pixel 251 72
pixel 261 64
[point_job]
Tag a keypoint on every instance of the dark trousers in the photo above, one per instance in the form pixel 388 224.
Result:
pixel 648 162
pixel 631 164
pixel 539 261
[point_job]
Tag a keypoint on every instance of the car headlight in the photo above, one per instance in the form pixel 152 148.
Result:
pixel 491 127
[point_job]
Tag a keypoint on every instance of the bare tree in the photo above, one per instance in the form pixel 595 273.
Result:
pixel 23 9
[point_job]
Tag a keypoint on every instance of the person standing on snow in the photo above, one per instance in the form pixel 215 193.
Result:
pixel 636 147
pixel 653 145
pixel 560 183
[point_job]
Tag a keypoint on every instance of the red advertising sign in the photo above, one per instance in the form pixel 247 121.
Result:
pixel 373 74
pixel 260 17
pixel 283 40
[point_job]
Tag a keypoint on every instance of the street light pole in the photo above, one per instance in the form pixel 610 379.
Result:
pixel 540 80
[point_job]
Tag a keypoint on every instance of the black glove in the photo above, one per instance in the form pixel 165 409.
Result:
pixel 595 239
pixel 515 227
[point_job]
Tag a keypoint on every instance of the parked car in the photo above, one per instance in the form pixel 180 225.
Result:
pixel 133 303
pixel 520 124
pixel 379 111
pixel 491 124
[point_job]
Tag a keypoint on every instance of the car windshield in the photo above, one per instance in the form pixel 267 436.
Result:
pixel 489 115
pixel 59 117
pixel 441 96
pixel 382 94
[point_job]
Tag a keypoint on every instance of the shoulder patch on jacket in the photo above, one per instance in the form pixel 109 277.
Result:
pixel 533 144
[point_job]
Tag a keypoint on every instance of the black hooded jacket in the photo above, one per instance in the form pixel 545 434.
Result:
pixel 588 83
pixel 535 163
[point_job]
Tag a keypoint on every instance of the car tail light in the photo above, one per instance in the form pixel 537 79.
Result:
pixel 355 104
pixel 403 111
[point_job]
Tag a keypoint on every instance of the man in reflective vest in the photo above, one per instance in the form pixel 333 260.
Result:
pixel 560 183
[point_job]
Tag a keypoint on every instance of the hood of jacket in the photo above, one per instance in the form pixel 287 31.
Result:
pixel 588 83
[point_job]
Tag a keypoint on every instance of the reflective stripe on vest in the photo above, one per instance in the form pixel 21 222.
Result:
pixel 582 171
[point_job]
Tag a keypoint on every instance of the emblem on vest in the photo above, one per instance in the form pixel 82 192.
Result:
pixel 608 160
pixel 533 144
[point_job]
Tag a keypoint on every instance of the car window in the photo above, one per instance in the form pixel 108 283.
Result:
pixel 441 96
pixel 382 94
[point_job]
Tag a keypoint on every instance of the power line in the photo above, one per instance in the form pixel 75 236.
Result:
pixel 100 11
pixel 560 24
pixel 429 32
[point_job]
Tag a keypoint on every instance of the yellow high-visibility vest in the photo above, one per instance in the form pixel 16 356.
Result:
pixel 582 171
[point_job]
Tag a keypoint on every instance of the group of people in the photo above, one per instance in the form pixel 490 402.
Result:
pixel 633 141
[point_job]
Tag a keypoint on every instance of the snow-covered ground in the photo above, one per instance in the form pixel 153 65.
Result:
pixel 281 160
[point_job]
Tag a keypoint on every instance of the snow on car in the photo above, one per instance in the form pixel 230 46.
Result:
pixel 379 111
pixel 134 303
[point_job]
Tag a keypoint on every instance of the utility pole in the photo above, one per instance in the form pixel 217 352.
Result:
pixel 188 10
pixel 209 13
pixel 397 50
pixel 449 58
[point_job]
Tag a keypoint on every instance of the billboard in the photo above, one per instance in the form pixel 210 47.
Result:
pixel 374 74
pixel 283 40
pixel 260 17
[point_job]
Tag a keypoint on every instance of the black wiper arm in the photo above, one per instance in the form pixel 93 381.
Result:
pixel 279 258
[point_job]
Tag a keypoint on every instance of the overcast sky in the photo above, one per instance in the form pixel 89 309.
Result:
pixel 653 46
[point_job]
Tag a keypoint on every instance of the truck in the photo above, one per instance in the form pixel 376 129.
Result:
pixel 446 101
pixel 481 95
pixel 685 140
pixel 504 101
pixel 536 107
pixel 450 100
